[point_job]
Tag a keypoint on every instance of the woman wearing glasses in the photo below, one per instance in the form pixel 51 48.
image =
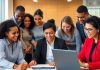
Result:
pixel 89 56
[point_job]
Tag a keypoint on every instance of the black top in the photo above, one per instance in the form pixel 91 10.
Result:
pixel 41 49
pixel 80 28
pixel 92 49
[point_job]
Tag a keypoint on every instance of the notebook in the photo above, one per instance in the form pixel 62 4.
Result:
pixel 43 66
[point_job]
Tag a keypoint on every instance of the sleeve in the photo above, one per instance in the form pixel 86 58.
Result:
pixel 58 33
pixel 78 40
pixel 81 55
pixel 94 65
pixel 22 41
pixel 3 61
pixel 37 52
pixel 20 57
pixel 64 46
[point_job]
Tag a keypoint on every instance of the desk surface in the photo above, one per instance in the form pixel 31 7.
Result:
pixel 42 67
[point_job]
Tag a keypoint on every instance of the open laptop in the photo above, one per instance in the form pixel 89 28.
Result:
pixel 66 59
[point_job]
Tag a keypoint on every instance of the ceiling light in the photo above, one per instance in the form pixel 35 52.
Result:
pixel 35 0
pixel 69 0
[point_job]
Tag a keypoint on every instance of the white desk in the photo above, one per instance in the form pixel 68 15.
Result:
pixel 42 67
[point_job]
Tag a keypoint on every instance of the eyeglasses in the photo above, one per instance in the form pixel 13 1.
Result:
pixel 88 29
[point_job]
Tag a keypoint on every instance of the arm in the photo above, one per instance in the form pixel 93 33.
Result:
pixel 37 52
pixel 78 41
pixel 20 57
pixel 58 33
pixel 3 61
pixel 36 55
pixel 81 56
pixel 64 46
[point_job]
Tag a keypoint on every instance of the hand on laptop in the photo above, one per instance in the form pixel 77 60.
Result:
pixel 33 62
pixel 84 65
pixel 52 63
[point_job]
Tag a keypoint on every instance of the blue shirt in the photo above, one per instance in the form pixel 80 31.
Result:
pixel 10 55
pixel 38 32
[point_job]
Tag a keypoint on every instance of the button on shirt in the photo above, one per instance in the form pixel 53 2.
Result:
pixel 10 55
pixel 49 56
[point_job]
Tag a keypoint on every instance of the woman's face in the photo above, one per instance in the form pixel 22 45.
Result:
pixel 38 20
pixel 90 31
pixel 13 34
pixel 49 34
pixel 27 22
pixel 66 27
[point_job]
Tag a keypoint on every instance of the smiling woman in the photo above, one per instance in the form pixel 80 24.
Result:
pixel 89 56
pixel 11 56
pixel 43 53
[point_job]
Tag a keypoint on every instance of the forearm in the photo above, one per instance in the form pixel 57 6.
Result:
pixel 6 64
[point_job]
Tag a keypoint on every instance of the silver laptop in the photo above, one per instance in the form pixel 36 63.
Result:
pixel 66 59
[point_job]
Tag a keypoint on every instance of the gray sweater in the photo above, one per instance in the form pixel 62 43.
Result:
pixel 75 39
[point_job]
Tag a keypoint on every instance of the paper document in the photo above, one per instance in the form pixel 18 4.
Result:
pixel 43 66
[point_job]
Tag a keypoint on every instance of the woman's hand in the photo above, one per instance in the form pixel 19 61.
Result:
pixel 21 67
pixel 33 62
pixel 83 65
pixel 34 43
pixel 52 63
pixel 28 50
pixel 68 43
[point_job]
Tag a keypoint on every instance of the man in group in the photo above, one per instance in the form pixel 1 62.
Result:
pixel 18 14
pixel 82 15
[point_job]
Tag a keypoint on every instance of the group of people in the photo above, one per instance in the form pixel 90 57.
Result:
pixel 27 40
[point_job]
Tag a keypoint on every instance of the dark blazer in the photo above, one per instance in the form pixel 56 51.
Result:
pixel 80 28
pixel 41 49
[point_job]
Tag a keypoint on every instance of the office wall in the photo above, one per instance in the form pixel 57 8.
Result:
pixel 56 9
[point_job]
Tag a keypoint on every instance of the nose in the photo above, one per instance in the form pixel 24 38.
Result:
pixel 19 18
pixel 17 34
pixel 48 35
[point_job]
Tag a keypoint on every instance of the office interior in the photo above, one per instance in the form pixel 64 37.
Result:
pixel 55 9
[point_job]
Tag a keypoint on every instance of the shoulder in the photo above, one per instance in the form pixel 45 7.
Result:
pixel 41 40
pixel 77 23
pixel 59 40
pixel 19 44
pixel 59 32
pixel 2 41
pixel 89 40
pixel 76 32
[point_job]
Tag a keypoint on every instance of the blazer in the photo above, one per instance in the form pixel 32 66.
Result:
pixel 80 28
pixel 85 53
pixel 41 49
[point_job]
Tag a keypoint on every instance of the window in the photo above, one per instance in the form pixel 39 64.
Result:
pixel 93 6
pixel 2 10
pixel 6 9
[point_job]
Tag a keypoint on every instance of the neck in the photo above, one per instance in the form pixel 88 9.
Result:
pixel 68 34
pixel 50 41
pixel 26 28
pixel 40 24
pixel 96 38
